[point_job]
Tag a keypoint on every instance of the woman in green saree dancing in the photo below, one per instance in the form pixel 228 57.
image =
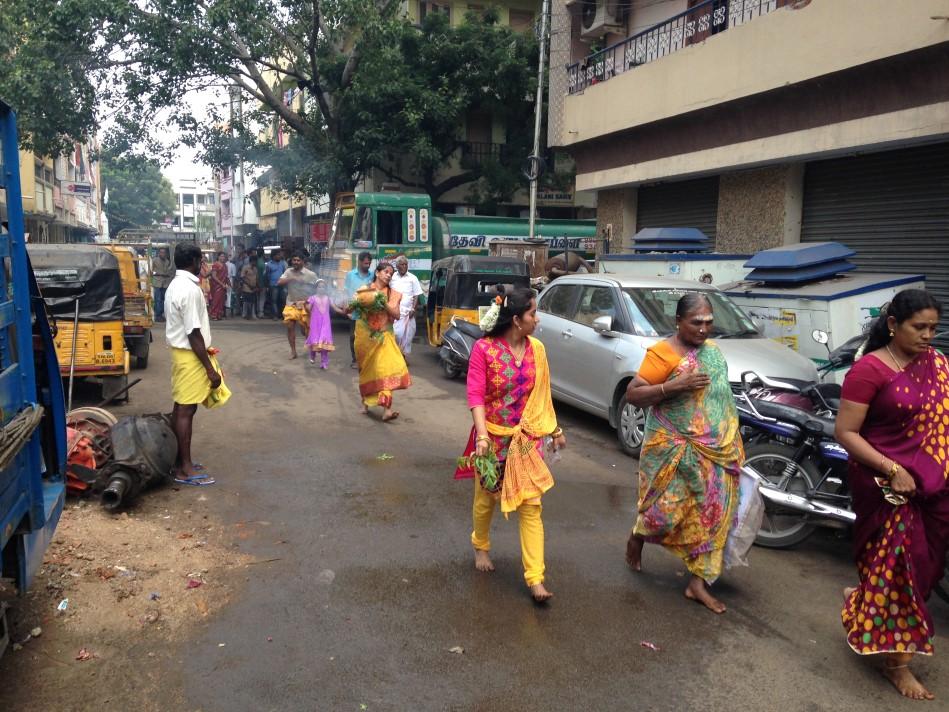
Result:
pixel 692 453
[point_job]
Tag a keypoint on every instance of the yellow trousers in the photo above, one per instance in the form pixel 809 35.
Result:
pixel 529 523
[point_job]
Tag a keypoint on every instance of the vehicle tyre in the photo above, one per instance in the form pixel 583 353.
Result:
pixel 630 427
pixel 781 529
pixel 142 360
pixel 451 370
pixel 112 385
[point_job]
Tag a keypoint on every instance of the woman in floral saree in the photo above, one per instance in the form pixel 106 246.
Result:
pixel 382 368
pixel 894 423
pixel 692 453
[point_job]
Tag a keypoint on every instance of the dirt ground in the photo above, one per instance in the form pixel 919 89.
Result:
pixel 131 587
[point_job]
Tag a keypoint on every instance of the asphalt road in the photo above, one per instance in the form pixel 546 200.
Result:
pixel 372 582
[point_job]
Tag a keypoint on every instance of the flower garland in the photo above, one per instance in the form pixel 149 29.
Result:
pixel 490 318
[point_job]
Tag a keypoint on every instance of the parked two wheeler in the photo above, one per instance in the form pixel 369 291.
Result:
pixel 801 467
pixel 457 342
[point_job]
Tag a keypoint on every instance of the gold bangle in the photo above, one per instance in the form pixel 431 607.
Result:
pixel 483 439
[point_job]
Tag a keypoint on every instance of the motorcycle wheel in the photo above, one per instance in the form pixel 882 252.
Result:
pixel 781 529
pixel 451 370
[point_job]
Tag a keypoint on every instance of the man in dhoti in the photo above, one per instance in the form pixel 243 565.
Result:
pixel 408 286
pixel 195 373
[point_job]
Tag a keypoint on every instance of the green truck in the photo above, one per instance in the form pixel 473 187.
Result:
pixel 387 224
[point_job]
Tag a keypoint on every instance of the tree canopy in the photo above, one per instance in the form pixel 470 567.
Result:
pixel 350 84
pixel 139 195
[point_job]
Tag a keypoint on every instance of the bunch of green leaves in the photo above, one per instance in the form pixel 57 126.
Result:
pixel 486 467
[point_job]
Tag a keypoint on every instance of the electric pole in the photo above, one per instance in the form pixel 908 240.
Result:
pixel 535 160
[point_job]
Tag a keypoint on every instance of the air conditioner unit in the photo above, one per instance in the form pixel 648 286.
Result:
pixel 600 17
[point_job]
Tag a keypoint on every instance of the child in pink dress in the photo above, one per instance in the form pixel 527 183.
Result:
pixel 321 332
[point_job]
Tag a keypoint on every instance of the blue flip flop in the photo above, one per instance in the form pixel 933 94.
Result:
pixel 195 480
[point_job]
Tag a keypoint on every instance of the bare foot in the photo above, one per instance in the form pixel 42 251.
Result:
pixel 906 682
pixel 364 410
pixel 847 591
pixel 540 594
pixel 483 561
pixel 390 415
pixel 293 355
pixel 698 591
pixel 634 552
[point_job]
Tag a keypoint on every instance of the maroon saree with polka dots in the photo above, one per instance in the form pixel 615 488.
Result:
pixel 900 548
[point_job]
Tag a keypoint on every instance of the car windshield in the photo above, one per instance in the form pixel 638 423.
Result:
pixel 654 312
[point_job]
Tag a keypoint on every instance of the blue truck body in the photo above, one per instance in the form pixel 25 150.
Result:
pixel 32 482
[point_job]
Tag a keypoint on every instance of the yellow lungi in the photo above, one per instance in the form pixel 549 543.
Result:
pixel 189 380
pixel 293 313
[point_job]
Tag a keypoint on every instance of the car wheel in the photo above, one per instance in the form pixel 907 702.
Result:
pixel 630 427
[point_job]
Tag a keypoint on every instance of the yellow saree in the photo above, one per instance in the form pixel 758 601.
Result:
pixel 382 368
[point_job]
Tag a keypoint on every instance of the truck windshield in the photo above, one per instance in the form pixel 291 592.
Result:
pixel 343 225
pixel 654 312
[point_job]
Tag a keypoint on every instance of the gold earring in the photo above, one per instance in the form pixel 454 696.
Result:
pixel 892 334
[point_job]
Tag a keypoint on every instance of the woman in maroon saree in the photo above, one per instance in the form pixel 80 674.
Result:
pixel 894 423
pixel 219 281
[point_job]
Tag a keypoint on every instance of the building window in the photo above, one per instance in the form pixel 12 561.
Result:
pixel 522 20
pixel 426 7
pixel 188 222
pixel 210 198
pixel 187 198
pixel 200 199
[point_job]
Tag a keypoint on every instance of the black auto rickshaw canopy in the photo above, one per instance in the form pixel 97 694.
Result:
pixel 87 273
pixel 470 281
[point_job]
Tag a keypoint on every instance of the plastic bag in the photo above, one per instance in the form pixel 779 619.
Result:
pixel 746 524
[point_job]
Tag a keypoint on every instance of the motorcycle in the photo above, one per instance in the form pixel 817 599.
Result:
pixel 457 342
pixel 801 467
pixel 802 471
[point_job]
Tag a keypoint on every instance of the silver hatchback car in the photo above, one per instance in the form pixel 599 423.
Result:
pixel 596 330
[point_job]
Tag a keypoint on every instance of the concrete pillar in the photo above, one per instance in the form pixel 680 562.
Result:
pixel 760 208
pixel 616 215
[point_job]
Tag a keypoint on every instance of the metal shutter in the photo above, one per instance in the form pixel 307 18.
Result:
pixel 688 203
pixel 891 207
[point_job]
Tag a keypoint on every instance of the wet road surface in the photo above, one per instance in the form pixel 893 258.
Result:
pixel 366 579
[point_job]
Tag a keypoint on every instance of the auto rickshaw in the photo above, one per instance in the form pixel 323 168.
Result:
pixel 463 286
pixel 137 290
pixel 82 288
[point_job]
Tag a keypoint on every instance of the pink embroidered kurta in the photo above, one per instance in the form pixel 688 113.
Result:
pixel 496 382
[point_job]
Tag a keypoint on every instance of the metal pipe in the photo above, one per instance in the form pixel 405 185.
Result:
pixel 538 111
pixel 799 503
pixel 72 357
pixel 115 395
pixel 114 492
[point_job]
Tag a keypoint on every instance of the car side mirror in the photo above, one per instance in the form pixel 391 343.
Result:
pixel 820 336
pixel 603 325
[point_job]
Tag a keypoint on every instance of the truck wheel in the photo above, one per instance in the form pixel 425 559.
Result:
pixel 630 427
pixel 112 385
pixel 141 360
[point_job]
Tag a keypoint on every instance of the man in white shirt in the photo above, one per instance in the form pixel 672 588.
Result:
pixel 408 286
pixel 195 374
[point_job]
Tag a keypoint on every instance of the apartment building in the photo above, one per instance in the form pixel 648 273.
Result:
pixel 61 196
pixel 196 212
pixel 762 122
pixel 236 212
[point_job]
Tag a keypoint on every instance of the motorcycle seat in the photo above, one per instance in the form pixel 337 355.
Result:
pixel 794 415
pixel 466 327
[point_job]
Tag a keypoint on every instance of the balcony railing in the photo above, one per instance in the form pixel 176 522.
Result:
pixel 474 153
pixel 687 28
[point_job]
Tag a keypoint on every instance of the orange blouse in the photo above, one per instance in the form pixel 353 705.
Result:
pixel 660 361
